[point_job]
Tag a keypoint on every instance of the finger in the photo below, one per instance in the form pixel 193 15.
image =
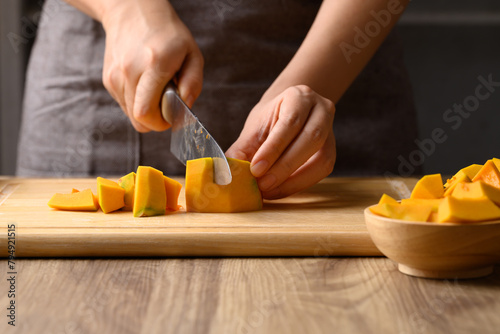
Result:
pixel 138 126
pixel 244 147
pixel 236 152
pixel 190 78
pixel 314 170
pixel 146 109
pixel 129 94
pixel 131 73
pixel 310 140
pixel 293 111
pixel 114 83
pixel 255 132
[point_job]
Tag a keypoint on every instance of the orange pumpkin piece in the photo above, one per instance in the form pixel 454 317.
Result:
pixel 433 202
pixel 466 210
pixel 433 217
pixel 489 174
pixel 410 212
pixel 76 201
pixel 496 161
pixel 127 182
pixel 381 209
pixel 150 194
pixel 203 195
pixel 477 190
pixel 96 201
pixel 173 189
pixel 428 187
pixel 466 174
pixel 472 170
pixel 387 199
pixel 460 176
pixel 110 194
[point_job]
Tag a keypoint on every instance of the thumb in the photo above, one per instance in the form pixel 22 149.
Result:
pixel 243 148
pixel 190 79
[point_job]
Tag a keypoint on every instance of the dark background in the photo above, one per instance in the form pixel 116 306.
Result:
pixel 448 45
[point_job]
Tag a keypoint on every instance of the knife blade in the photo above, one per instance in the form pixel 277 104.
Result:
pixel 190 139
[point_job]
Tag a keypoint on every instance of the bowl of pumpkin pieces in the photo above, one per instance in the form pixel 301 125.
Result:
pixel 445 230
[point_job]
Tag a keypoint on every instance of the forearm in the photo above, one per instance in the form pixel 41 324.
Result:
pixel 342 39
pixel 93 8
pixel 103 10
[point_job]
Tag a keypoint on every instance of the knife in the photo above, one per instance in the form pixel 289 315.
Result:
pixel 190 140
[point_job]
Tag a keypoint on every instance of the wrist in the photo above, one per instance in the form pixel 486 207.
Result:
pixel 112 12
pixel 150 12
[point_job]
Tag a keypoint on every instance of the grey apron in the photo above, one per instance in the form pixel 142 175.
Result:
pixel 72 127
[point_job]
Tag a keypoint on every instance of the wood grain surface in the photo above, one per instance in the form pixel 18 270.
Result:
pixel 244 295
pixel 326 219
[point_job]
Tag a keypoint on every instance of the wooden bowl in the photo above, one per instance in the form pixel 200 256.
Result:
pixel 437 250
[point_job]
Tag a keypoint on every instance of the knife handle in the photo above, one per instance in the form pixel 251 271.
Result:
pixel 169 98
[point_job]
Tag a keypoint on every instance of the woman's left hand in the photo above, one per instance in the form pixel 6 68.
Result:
pixel 289 141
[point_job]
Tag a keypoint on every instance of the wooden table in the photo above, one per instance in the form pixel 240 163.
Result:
pixel 328 294
pixel 244 295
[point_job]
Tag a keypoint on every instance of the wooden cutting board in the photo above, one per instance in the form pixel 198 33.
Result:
pixel 325 220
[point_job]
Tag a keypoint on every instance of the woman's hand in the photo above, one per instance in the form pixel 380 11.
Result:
pixel 289 141
pixel 146 46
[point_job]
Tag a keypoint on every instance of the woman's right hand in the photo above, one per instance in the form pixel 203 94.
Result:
pixel 146 46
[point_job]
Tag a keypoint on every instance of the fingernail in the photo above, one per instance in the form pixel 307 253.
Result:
pixel 190 101
pixel 259 168
pixel 267 182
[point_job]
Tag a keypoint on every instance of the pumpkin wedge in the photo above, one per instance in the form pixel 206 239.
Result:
pixel 433 202
pixel 203 195
pixel 428 187
pixel 472 170
pixel 467 210
pixel 489 173
pixel 173 189
pixel 150 195
pixel 477 190
pixel 460 176
pixel 110 194
pixel 76 201
pixel 127 182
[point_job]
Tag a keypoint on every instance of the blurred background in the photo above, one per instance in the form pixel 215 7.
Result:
pixel 448 47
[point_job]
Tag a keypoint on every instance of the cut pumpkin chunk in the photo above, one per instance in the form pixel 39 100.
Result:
pixel 415 212
pixel 150 195
pixel 434 217
pixel 110 194
pixel 464 175
pixel 96 201
pixel 127 182
pixel 410 212
pixel 76 201
pixel 496 161
pixel 489 174
pixel 433 202
pixel 467 210
pixel 460 176
pixel 203 195
pixel 382 209
pixel 471 195
pixel 173 189
pixel 428 187
pixel 387 199
pixel 477 190
pixel 472 170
